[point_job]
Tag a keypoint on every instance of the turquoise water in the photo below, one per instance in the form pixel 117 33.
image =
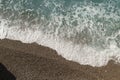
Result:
pixel 91 23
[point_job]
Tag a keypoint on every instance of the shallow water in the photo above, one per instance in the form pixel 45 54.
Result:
pixel 84 31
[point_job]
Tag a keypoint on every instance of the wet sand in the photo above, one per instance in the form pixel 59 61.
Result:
pixel 35 62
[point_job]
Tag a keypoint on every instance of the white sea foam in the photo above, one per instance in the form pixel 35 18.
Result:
pixel 84 32
pixel 82 54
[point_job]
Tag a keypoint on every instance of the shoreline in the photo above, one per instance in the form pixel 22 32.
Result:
pixel 35 62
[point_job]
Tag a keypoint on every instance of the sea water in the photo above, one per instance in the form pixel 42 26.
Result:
pixel 84 31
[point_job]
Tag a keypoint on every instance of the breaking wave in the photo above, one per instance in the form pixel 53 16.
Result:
pixel 84 31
